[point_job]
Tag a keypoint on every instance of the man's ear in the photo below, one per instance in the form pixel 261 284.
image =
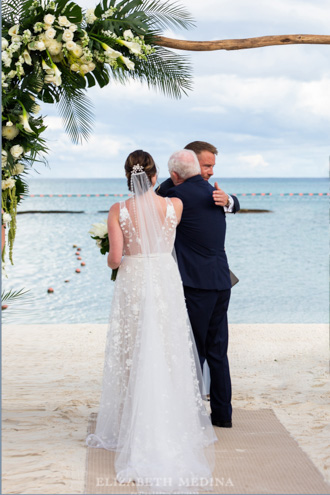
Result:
pixel 175 178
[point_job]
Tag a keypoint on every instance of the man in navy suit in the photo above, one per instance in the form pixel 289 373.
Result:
pixel 204 268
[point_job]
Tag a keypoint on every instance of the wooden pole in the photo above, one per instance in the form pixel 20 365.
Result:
pixel 241 44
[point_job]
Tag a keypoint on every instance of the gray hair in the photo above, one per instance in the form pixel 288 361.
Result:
pixel 185 163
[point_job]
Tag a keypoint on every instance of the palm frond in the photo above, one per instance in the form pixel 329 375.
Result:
pixel 12 10
pixel 167 15
pixel 15 302
pixel 76 110
pixel 13 295
pixel 165 71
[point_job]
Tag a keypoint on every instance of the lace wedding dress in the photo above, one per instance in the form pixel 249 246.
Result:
pixel 151 411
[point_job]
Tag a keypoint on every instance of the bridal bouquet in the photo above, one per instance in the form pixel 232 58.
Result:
pixel 99 232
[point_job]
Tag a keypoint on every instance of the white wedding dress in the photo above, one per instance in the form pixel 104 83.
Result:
pixel 151 411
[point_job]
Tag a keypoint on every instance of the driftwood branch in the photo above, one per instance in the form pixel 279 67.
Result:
pixel 240 44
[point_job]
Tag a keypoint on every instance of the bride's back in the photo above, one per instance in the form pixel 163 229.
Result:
pixel 148 224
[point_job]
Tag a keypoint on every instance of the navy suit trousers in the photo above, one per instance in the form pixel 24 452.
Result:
pixel 207 311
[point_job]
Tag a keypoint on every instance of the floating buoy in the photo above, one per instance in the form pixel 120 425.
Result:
pixel 77 253
pixel 77 270
pixel 78 257
pixel 4 306
pixel 78 249
pixel 83 263
pixel 67 280
pixel 50 290
pixel 74 246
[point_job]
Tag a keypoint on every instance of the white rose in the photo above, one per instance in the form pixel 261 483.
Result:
pixel 4 43
pixel 40 45
pixel 64 21
pixel 16 151
pixel 7 183
pixel 67 35
pixel 84 68
pixel 74 67
pixel 77 52
pixel 70 45
pixel 49 19
pixel 18 169
pixel 10 132
pixel 13 30
pixel 50 33
pixel 128 34
pixel 54 47
pixel 73 28
pixel 90 16
pixel 11 74
pixel 91 66
pixel 6 218
pixel 16 38
pixel 6 59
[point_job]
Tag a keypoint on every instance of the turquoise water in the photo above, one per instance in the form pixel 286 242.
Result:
pixel 281 257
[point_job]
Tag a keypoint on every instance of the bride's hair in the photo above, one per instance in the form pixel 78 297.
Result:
pixel 144 160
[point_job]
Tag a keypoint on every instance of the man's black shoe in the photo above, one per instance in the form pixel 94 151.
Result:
pixel 222 424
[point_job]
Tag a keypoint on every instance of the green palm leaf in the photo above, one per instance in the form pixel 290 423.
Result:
pixel 76 110
pixel 166 15
pixel 165 71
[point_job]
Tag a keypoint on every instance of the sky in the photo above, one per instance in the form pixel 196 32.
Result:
pixel 267 110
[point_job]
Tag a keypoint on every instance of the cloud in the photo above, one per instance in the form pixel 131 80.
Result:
pixel 253 161
pixel 266 11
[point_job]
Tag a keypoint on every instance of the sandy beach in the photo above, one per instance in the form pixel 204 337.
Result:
pixel 52 381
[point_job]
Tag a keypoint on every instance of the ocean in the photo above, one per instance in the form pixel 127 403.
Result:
pixel 279 256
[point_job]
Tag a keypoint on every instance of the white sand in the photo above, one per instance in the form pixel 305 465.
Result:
pixel 52 380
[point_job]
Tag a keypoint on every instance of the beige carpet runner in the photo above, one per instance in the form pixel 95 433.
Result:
pixel 256 456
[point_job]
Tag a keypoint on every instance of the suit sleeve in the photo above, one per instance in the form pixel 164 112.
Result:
pixel 237 206
pixel 163 188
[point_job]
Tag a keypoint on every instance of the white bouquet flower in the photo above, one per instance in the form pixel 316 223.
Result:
pixel 10 132
pixel 129 64
pixel 13 30
pixel 18 169
pixel 64 21
pixel 50 33
pixel 67 35
pixel 99 232
pixel 8 183
pixel 90 16
pixel 16 151
pixel 4 44
pixel 49 19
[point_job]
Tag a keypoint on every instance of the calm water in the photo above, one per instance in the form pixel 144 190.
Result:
pixel 281 258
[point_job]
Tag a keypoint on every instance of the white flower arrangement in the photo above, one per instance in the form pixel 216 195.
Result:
pixel 8 183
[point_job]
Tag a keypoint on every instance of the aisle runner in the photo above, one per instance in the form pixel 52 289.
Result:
pixel 256 456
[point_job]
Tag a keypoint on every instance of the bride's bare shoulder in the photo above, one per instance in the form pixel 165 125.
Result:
pixel 177 203
pixel 114 210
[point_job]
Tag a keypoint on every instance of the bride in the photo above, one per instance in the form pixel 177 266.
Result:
pixel 151 411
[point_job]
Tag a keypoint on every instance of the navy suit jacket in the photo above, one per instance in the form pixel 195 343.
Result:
pixel 200 236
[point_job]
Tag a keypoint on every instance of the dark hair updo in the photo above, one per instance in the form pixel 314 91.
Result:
pixel 142 158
